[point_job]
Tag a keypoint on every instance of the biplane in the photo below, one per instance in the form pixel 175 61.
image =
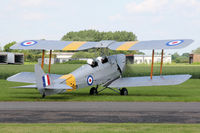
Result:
pixel 103 71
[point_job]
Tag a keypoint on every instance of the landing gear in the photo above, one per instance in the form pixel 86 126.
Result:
pixel 43 95
pixel 93 91
pixel 124 92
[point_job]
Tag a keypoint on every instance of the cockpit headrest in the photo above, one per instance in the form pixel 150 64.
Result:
pixel 99 59
pixel 90 61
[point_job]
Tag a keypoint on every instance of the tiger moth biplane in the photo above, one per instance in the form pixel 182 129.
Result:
pixel 103 71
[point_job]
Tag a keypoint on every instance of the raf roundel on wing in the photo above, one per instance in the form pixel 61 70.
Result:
pixel 175 42
pixel 28 43
pixel 90 80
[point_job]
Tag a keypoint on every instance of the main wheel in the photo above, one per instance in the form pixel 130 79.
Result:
pixel 93 91
pixel 43 95
pixel 124 92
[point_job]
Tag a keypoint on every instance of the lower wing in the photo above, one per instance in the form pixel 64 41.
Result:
pixel 146 81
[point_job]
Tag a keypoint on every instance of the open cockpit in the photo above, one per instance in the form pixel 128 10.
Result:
pixel 94 62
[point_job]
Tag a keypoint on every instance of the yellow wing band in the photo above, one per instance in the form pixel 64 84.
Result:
pixel 73 45
pixel 70 80
pixel 127 45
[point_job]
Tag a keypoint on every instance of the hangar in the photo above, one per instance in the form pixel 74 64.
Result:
pixel 11 58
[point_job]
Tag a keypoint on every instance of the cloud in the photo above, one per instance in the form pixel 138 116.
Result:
pixel 115 17
pixel 27 3
pixel 33 16
pixel 151 6
pixel 170 7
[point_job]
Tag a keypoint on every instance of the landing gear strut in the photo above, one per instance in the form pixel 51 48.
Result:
pixel 94 91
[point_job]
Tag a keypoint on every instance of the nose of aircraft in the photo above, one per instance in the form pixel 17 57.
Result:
pixel 121 61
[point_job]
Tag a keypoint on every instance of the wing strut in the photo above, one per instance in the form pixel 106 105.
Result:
pixel 161 63
pixel 152 64
pixel 50 60
pixel 42 65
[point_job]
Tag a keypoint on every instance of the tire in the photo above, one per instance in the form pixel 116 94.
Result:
pixel 93 91
pixel 43 95
pixel 124 92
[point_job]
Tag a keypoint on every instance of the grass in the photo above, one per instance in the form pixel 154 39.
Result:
pixel 186 92
pixel 99 128
pixel 144 70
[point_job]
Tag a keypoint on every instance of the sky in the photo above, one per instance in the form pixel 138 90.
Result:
pixel 149 19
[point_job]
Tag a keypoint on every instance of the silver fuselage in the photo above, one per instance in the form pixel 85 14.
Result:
pixel 102 74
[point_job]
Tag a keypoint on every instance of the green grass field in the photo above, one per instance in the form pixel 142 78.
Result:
pixel 144 70
pixel 99 128
pixel 186 92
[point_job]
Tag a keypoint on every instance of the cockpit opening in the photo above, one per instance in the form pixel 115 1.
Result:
pixel 92 63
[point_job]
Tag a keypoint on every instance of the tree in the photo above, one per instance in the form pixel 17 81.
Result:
pixel 7 46
pixel 184 58
pixel 196 51
pixel 175 56
pixel 186 55
pixel 94 35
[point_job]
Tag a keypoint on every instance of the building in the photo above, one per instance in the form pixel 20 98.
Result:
pixel 11 58
pixel 147 59
pixel 194 58
pixel 59 57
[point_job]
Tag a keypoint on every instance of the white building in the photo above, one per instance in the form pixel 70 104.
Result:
pixel 60 57
pixel 147 59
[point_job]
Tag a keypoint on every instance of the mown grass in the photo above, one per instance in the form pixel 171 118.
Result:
pixel 144 70
pixel 99 128
pixel 186 92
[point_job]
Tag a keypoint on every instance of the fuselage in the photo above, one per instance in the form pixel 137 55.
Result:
pixel 102 73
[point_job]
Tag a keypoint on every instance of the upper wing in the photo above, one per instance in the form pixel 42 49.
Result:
pixel 149 45
pixel 113 45
pixel 54 45
pixel 146 81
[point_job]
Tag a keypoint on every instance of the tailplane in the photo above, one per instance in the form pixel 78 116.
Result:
pixel 45 85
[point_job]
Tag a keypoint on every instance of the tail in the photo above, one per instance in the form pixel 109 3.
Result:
pixel 42 79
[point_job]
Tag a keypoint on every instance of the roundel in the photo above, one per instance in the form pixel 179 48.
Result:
pixel 90 80
pixel 175 42
pixel 28 43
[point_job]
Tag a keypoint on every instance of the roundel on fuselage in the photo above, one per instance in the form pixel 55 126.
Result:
pixel 90 80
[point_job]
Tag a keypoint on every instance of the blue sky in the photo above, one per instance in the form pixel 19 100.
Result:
pixel 148 19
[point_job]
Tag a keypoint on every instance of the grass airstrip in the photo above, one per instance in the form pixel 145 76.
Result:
pixel 186 92
pixel 99 128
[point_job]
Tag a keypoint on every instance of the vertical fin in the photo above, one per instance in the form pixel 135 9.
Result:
pixel 39 78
